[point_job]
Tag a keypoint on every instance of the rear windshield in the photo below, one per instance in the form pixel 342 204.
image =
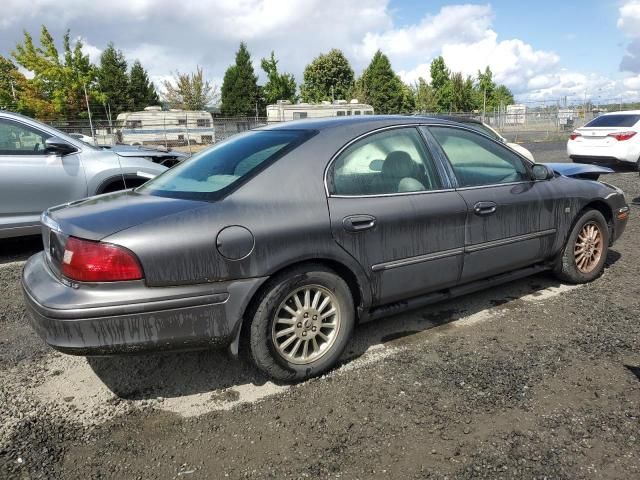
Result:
pixel 618 120
pixel 215 171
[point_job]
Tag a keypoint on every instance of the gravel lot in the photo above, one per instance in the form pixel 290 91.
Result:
pixel 529 380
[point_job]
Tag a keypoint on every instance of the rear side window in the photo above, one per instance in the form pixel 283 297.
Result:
pixel 393 161
pixel 213 172
pixel 476 160
pixel 617 120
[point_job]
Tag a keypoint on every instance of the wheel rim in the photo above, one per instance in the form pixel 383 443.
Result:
pixel 588 248
pixel 306 324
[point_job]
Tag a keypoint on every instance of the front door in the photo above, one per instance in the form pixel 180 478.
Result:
pixel 31 180
pixel 393 211
pixel 509 222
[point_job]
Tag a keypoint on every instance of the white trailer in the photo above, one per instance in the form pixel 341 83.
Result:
pixel 172 127
pixel 284 110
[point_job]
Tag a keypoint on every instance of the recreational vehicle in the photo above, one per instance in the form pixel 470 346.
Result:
pixel 284 110
pixel 172 127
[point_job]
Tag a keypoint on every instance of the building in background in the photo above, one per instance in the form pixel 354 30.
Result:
pixel 284 110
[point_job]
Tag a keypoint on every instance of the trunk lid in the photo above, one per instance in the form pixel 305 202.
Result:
pixel 97 217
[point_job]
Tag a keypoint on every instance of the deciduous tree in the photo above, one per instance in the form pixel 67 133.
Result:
pixel 189 91
pixel 329 76
pixel 279 86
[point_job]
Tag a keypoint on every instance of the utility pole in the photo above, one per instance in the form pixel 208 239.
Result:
pixel 333 98
pixel 484 105
pixel 86 99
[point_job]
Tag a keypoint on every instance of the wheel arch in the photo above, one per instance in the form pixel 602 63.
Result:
pixel 356 284
pixel 123 180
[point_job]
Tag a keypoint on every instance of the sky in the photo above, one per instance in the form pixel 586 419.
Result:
pixel 542 50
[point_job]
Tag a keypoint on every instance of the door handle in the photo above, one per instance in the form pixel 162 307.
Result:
pixel 358 223
pixel 484 208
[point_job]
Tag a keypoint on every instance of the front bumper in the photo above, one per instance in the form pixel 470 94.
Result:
pixel 129 317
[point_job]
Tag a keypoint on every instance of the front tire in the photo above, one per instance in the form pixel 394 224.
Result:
pixel 585 252
pixel 302 324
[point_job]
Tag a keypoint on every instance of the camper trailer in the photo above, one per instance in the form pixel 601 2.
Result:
pixel 172 127
pixel 284 110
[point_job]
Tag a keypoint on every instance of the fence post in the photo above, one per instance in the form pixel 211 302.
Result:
pixel 186 119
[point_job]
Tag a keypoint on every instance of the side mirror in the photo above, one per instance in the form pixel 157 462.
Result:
pixel 542 172
pixel 57 146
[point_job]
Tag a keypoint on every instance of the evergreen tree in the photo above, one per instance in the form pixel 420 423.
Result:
pixel 380 87
pixel 329 76
pixel 279 86
pixel 113 80
pixel 142 92
pixel 240 93
pixel 441 84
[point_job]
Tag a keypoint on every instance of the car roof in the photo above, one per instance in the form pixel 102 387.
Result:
pixel 363 121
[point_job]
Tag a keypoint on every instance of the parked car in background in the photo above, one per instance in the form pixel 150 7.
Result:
pixel 157 154
pixel 41 167
pixel 487 130
pixel 610 139
pixel 293 233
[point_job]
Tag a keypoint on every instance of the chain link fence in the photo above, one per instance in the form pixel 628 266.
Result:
pixel 192 131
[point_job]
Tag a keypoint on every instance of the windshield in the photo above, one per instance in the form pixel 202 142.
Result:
pixel 617 120
pixel 211 173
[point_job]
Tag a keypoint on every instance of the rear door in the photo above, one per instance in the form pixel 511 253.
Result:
pixel 31 181
pixel 394 211
pixel 510 217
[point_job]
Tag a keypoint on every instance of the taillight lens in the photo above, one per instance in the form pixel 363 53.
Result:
pixel 574 135
pixel 622 136
pixel 89 261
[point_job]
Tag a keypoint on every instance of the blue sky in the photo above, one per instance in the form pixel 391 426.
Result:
pixel 542 50
pixel 583 33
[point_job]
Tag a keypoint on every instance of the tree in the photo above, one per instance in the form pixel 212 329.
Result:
pixel 190 91
pixel 113 80
pixel 502 97
pixel 59 81
pixel 279 86
pixel 380 87
pixel 329 76
pixel 240 93
pixel 425 99
pixel 461 93
pixel 441 84
pixel 142 92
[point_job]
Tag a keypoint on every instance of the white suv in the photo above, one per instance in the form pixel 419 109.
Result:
pixel 612 138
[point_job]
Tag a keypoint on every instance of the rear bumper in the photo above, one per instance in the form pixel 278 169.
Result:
pixel 128 317
pixel 600 160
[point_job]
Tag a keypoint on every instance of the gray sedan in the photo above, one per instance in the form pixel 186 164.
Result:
pixel 41 167
pixel 280 240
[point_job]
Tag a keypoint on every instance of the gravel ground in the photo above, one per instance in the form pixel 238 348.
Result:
pixel 529 380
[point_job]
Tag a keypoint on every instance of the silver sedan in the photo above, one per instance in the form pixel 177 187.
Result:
pixel 41 167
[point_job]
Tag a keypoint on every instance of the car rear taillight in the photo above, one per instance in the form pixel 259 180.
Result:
pixel 574 135
pixel 89 261
pixel 622 136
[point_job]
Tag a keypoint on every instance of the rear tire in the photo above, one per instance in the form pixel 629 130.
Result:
pixel 301 324
pixel 585 251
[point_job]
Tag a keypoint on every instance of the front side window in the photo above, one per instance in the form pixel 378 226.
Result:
pixel 393 161
pixel 211 173
pixel 18 139
pixel 476 160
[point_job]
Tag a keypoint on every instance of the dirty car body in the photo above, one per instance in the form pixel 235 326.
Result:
pixel 394 207
pixel 42 167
